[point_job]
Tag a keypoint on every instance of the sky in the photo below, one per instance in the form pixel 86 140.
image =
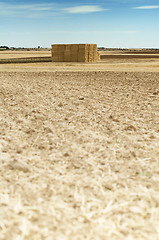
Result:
pixel 108 23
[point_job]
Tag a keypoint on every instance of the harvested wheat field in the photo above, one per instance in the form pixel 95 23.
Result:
pixel 79 152
pixel 10 54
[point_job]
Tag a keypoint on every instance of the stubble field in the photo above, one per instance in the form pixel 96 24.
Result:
pixel 79 147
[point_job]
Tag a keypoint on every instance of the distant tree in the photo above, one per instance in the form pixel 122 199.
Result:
pixel 4 47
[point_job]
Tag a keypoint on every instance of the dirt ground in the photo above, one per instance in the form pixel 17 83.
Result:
pixel 79 151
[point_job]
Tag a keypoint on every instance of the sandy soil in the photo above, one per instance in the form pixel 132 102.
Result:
pixel 79 153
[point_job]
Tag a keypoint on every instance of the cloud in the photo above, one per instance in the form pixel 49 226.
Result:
pixel 147 7
pixel 84 9
pixel 91 32
pixel 127 31
pixel 26 6
pixel 44 10
pixel 27 10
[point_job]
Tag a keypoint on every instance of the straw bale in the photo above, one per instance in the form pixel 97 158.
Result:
pixel 98 57
pixel 60 58
pixel 67 57
pixel 81 58
pixel 82 46
pixel 74 57
pixel 92 52
pixel 68 47
pixel 74 47
pixel 75 52
pixel 61 49
pixel 54 47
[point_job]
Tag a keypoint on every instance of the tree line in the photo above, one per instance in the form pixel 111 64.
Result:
pixel 4 47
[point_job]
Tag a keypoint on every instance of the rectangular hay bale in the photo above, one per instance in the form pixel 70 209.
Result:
pixel 74 52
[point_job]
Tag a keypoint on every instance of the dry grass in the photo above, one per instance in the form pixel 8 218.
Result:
pixel 116 65
pixel 8 57
pixel 129 56
pixel 112 61
pixel 79 153
pixel 25 60
pixel 24 54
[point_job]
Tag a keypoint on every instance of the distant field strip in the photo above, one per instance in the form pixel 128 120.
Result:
pixel 102 57
pixel 143 52
pixel 125 56
pixel 26 60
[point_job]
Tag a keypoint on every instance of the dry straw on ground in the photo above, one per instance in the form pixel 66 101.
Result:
pixel 79 156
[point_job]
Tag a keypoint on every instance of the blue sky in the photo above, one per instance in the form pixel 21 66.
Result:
pixel 109 23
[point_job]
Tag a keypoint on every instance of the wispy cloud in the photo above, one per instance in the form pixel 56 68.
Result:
pixel 147 7
pixel 27 6
pixel 44 10
pixel 27 10
pixel 92 32
pixel 85 9
pixel 127 31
